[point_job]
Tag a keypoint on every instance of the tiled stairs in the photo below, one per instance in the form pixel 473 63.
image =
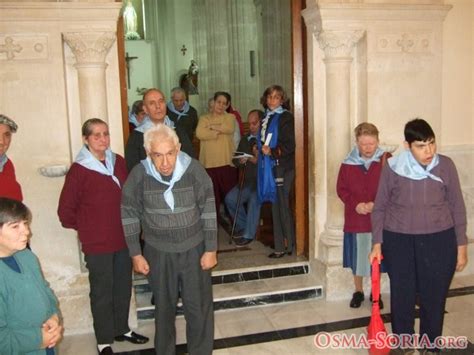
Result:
pixel 241 288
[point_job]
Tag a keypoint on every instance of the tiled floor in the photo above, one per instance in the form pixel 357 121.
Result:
pixel 287 328
pixel 290 328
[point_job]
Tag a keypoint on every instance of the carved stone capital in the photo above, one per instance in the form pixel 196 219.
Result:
pixel 338 44
pixel 90 47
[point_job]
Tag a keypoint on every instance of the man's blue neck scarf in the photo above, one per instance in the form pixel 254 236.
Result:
pixel 3 161
pixel 89 161
pixel 405 164
pixel 354 158
pixel 182 163
pixel 148 123
pixel 173 109
pixel 266 187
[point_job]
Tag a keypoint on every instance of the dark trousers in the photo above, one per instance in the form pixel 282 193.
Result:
pixel 172 274
pixel 224 178
pixel 282 215
pixel 422 264
pixel 110 278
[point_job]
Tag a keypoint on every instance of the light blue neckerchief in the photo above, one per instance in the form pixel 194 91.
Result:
pixel 132 118
pixel 89 161
pixel 148 123
pixel 182 163
pixel 3 161
pixel 173 109
pixel 405 164
pixel 354 158
pixel 268 113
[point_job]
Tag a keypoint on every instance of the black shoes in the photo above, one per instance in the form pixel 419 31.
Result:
pixel 243 241
pixel 133 338
pixel 277 254
pixel 357 299
pixel 106 351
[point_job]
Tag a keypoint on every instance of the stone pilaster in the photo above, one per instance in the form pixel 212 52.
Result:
pixel 337 47
pixel 90 50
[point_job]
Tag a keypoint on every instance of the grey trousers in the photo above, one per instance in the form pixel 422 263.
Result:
pixel 110 278
pixel 174 274
pixel 283 224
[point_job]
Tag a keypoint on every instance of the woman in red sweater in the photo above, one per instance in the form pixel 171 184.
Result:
pixel 90 204
pixel 357 185
pixel 9 187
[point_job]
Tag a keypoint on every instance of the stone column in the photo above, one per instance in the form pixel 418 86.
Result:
pixel 90 50
pixel 337 47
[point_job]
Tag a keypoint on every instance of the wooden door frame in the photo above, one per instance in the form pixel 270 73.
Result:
pixel 299 91
pixel 298 37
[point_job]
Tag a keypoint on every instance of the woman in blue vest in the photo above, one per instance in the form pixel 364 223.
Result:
pixel 276 166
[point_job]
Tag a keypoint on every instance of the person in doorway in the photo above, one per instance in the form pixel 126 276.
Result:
pixel 357 185
pixel 90 204
pixel 154 105
pixel 276 166
pixel 9 186
pixel 170 197
pixel 183 115
pixel 419 226
pixel 215 132
pixel 29 314
pixel 136 116
pixel 246 220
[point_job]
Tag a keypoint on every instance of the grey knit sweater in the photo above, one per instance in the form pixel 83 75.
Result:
pixel 193 220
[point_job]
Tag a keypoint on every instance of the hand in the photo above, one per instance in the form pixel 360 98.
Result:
pixel 208 260
pixel 376 253
pixel 462 258
pixel 266 150
pixel 255 150
pixel 369 206
pixel 140 264
pixel 243 160
pixel 253 160
pixel 361 208
pixel 51 332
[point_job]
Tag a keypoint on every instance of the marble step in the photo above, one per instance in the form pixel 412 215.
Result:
pixel 247 288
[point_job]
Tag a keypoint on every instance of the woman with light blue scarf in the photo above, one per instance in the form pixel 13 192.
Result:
pixel 419 225
pixel 357 185
pixel 90 204
pixel 276 167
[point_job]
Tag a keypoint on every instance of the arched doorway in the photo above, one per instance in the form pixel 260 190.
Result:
pixel 299 96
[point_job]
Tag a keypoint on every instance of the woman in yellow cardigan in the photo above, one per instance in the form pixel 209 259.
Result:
pixel 215 131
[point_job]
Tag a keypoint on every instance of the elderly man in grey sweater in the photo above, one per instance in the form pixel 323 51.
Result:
pixel 170 198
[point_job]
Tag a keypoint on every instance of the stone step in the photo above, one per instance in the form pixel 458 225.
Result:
pixel 247 288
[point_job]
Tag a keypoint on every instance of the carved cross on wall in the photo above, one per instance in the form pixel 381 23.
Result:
pixel 9 48
pixel 128 59
pixel 183 50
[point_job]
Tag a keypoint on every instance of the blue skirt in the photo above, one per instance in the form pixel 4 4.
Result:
pixel 357 247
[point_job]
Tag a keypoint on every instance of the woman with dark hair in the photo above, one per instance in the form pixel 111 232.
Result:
pixel 90 204
pixel 276 166
pixel 215 131
pixel 9 186
pixel 419 225
pixel 29 320
pixel 136 115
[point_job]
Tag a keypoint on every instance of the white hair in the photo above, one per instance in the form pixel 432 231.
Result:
pixel 159 132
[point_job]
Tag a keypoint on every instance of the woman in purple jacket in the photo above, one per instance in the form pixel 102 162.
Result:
pixel 419 225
